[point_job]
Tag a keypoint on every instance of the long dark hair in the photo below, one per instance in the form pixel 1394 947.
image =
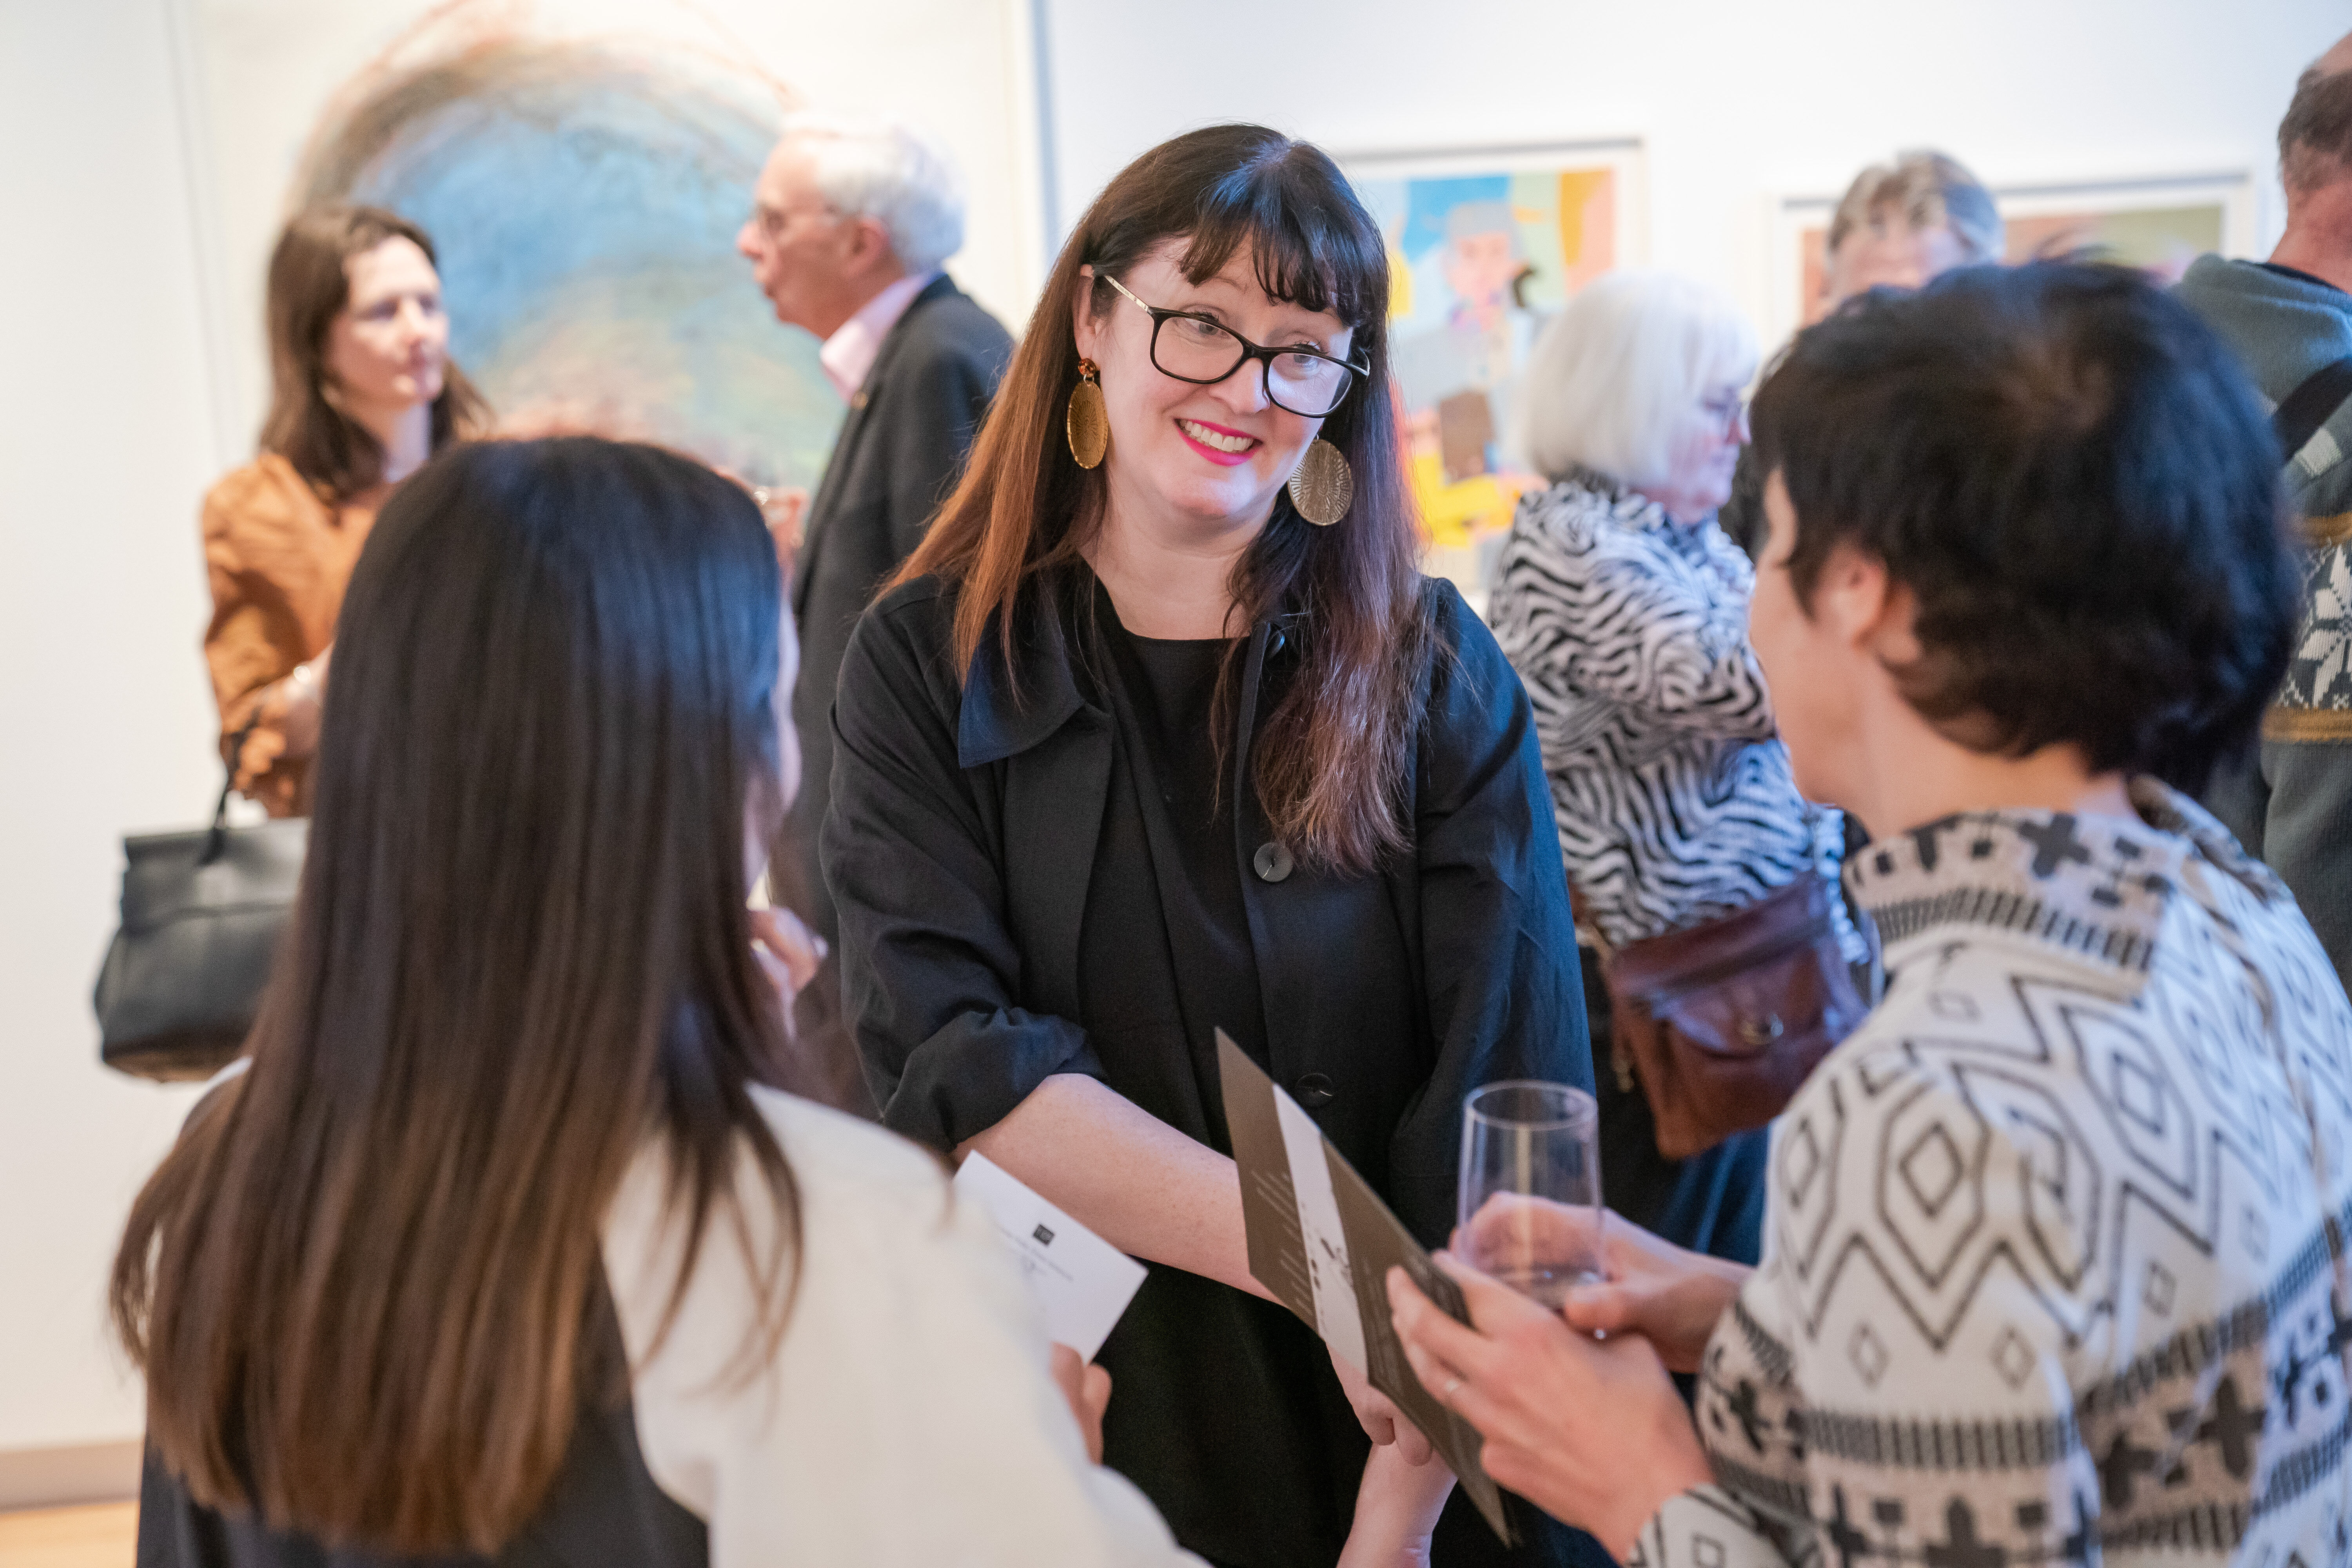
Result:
pixel 1331 761
pixel 361 1284
pixel 310 284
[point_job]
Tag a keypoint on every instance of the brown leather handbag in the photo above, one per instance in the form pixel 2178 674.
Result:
pixel 1721 1021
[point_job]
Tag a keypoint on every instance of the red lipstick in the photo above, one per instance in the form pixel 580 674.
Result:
pixel 1224 460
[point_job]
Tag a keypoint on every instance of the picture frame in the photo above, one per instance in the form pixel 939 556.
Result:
pixel 1484 244
pixel 2161 221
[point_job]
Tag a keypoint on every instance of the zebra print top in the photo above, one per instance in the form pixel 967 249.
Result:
pixel 1673 795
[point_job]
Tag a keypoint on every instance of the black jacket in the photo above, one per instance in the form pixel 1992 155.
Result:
pixel 963 841
pixel 899 454
pixel 969 827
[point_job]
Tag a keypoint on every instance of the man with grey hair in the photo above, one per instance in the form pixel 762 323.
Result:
pixel 2290 319
pixel 1897 226
pixel 853 218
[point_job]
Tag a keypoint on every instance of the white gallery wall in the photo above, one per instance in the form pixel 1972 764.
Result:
pixel 129 296
pixel 105 443
pixel 1735 102
pixel 124 397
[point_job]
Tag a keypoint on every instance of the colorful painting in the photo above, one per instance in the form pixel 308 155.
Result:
pixel 2158 226
pixel 1481 250
pixel 584 196
pixel 2160 240
pixel 583 166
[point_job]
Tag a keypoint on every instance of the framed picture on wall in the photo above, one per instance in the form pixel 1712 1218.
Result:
pixel 1484 244
pixel 583 171
pixel 2159 223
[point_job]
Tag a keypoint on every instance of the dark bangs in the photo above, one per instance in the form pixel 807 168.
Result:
pixel 1332 759
pixel 1235 187
pixel 1314 244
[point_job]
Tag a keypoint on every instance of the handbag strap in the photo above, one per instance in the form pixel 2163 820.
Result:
pixel 2302 411
pixel 216 841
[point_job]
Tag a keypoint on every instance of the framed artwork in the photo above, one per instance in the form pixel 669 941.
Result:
pixel 2159 223
pixel 583 167
pixel 1484 244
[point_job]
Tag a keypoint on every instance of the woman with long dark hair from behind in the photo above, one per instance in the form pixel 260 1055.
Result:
pixel 362 392
pixel 500 1246
pixel 1162 732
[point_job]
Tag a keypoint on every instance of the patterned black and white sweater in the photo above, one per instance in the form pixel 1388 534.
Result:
pixel 1673 795
pixel 2054 1263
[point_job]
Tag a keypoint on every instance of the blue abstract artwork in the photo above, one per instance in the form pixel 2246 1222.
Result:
pixel 584 196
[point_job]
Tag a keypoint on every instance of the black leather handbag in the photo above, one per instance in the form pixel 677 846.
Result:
pixel 202 913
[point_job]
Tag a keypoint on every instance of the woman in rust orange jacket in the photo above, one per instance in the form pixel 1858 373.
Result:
pixel 363 392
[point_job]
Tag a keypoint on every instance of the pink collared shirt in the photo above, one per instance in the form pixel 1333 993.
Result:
pixel 848 355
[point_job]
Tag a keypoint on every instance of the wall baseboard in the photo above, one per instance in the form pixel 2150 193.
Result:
pixel 56 1478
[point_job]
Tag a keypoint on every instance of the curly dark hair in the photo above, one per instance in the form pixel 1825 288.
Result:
pixel 2071 474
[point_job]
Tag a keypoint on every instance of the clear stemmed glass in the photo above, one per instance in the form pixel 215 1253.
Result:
pixel 1529 1203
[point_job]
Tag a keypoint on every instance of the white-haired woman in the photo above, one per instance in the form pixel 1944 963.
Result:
pixel 1705 887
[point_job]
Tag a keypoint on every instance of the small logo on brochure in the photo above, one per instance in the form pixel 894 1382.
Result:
pixel 1045 1236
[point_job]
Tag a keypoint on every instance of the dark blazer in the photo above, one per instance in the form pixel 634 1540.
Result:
pixel 899 454
pixel 963 841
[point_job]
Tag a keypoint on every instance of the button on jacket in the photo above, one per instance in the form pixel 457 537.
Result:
pixel 987 909
pixel 961 841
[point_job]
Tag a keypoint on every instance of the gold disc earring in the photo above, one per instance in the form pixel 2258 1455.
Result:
pixel 1088 425
pixel 1322 487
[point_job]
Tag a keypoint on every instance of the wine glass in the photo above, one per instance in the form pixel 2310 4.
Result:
pixel 1529 1203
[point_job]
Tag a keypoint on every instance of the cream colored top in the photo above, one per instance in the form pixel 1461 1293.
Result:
pixel 907 1418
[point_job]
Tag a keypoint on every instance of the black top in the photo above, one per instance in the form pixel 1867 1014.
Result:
pixel 1162 693
pixel 603 1510
pixel 1028 885
pixel 1165 959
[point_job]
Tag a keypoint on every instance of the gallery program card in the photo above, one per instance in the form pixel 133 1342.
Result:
pixel 1323 1242
pixel 1083 1283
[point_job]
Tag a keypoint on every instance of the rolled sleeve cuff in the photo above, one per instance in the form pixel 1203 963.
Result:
pixel 969 1077
pixel 1705 1527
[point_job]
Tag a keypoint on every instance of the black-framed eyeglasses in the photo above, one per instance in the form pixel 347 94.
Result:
pixel 1204 351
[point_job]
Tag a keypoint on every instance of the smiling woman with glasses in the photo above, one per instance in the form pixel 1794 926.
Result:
pixel 1161 732
pixel 1299 377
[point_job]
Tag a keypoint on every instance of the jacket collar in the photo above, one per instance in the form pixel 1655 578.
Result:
pixel 1009 708
pixel 939 287
pixel 847 357
pixel 2097 887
